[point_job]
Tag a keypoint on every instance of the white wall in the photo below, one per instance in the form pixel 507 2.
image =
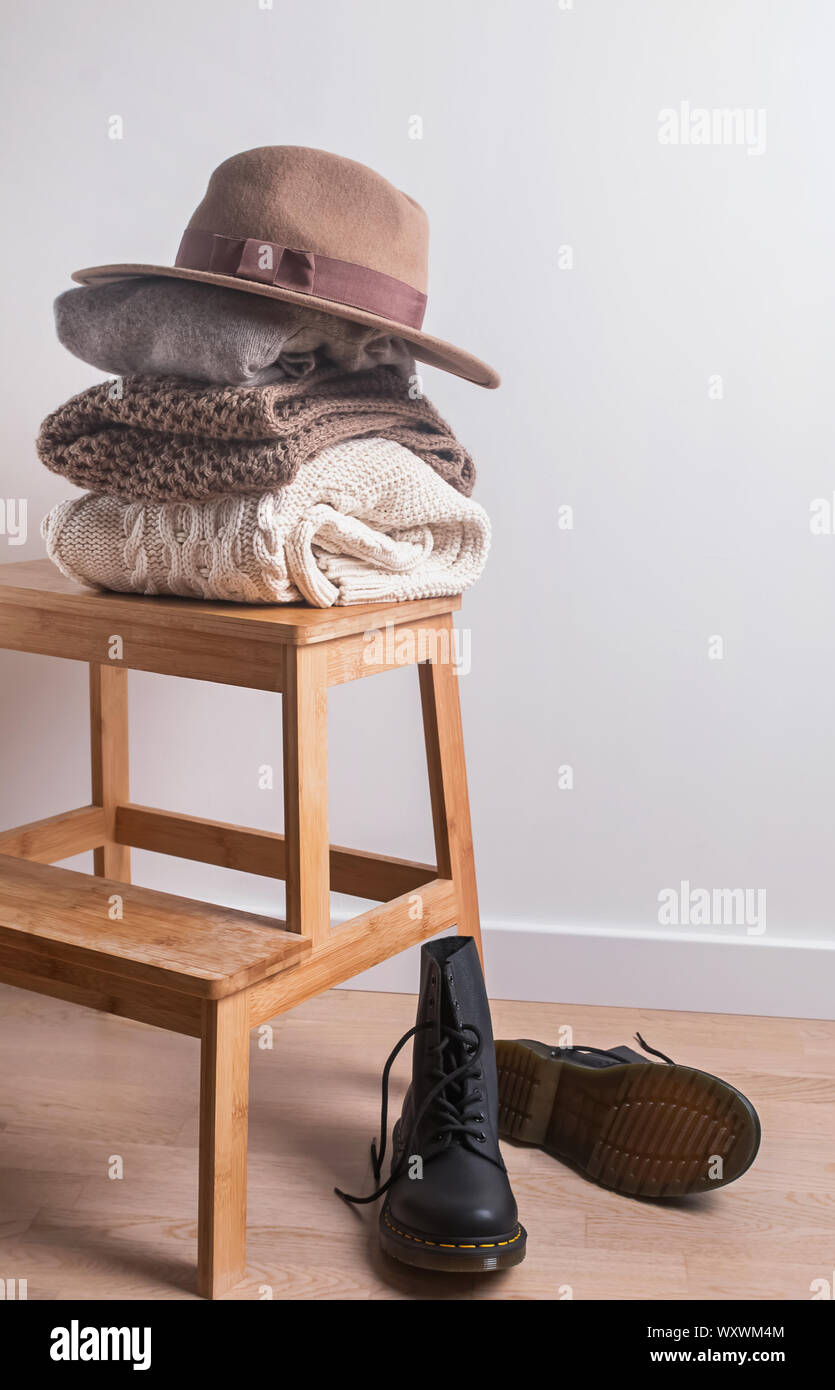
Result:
pixel 590 646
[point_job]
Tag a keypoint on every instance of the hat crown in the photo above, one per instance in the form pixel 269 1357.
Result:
pixel 309 200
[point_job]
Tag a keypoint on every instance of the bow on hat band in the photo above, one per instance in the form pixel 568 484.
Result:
pixel 265 262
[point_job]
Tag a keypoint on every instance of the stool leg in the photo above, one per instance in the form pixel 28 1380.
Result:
pixel 224 1108
pixel 109 758
pixel 307 847
pixel 448 785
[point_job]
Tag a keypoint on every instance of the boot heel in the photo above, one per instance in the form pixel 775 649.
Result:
pixel 528 1085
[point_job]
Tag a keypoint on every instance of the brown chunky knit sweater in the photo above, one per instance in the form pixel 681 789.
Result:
pixel 165 439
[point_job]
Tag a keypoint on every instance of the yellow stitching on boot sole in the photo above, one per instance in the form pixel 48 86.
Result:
pixel 491 1245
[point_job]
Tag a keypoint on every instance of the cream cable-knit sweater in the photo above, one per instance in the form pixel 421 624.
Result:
pixel 363 522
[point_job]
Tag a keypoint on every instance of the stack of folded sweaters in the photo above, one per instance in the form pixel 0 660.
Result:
pixel 253 450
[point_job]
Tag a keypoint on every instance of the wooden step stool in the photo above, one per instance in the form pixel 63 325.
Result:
pixel 211 972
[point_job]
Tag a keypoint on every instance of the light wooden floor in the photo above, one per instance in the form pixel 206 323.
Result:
pixel 78 1087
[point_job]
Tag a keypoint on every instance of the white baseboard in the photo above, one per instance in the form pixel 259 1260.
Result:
pixel 641 969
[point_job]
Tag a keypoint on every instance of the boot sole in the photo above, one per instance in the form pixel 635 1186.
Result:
pixel 476 1258
pixel 646 1129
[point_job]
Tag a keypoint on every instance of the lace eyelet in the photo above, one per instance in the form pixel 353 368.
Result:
pixel 479 1119
pixel 482 1138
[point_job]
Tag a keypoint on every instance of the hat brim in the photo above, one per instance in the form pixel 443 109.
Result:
pixel 433 351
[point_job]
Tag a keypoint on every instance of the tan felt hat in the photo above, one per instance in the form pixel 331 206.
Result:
pixel 313 228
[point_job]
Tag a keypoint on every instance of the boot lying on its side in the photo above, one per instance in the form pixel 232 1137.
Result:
pixel 448 1200
pixel 629 1124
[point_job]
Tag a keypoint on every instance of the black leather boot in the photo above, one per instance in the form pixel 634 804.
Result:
pixel 629 1124
pixel 448 1203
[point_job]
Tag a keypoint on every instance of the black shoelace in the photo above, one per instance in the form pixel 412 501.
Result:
pixel 601 1051
pixel 448 1099
pixel 654 1051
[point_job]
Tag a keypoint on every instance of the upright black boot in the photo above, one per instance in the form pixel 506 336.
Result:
pixel 448 1203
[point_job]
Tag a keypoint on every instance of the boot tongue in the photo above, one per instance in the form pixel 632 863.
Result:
pixel 464 991
pixel 453 995
pixel 446 983
pixel 451 1012
pixel 465 996
pixel 439 1007
pixel 429 1009
pixel 627 1054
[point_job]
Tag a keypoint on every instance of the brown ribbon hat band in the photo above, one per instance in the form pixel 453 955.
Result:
pixel 342 282
pixel 313 228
